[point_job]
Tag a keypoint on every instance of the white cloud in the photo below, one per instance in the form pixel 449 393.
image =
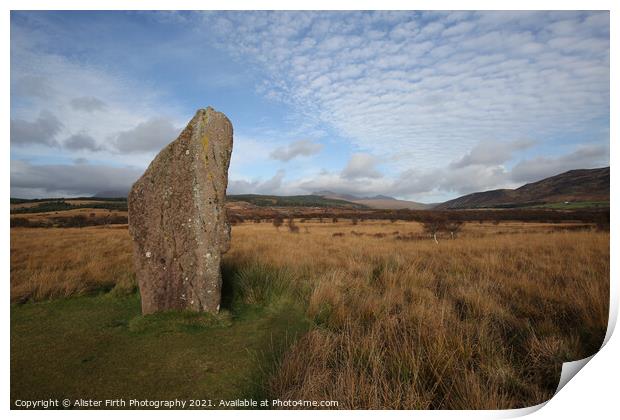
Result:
pixel 84 98
pixel 444 182
pixel 416 91
pixel 81 179
pixel 88 104
pixel 335 182
pixel 361 165
pixel 459 29
pixel 81 141
pixel 584 157
pixel 424 98
pixel 43 130
pixel 272 185
pixel 150 135
pixel 30 86
pixel 491 153
pixel 296 148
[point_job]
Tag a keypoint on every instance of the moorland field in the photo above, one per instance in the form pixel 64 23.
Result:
pixel 370 313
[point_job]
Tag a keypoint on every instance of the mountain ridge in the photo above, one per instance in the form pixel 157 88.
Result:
pixel 570 186
pixel 375 202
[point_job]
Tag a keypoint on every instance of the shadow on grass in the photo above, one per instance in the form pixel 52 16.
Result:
pixel 101 347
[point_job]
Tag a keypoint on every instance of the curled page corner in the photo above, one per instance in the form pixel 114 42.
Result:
pixel 569 370
pixel 520 412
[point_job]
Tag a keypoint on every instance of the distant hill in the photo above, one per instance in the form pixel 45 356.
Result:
pixel 112 198
pixel 293 201
pixel 112 194
pixel 43 205
pixel 579 185
pixel 317 199
pixel 376 202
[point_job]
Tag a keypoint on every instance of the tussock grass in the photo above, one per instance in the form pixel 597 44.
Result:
pixel 52 263
pixel 259 284
pixel 481 321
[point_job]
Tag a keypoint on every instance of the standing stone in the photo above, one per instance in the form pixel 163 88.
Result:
pixel 178 221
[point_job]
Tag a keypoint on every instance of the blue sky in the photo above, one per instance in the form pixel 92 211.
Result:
pixel 418 105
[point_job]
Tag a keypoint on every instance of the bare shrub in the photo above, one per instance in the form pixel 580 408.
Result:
pixel 277 222
pixel 235 219
pixel 432 224
pixel 453 227
pixel 292 227
pixel 20 222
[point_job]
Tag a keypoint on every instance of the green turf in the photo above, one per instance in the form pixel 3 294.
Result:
pixel 101 347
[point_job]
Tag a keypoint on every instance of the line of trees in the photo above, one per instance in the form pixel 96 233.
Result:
pixel 78 220
pixel 600 217
pixel 451 222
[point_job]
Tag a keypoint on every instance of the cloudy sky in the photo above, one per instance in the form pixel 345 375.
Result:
pixel 417 105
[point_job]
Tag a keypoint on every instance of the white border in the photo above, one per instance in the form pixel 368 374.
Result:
pixel 592 394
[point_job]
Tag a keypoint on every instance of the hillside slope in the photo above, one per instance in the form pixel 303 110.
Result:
pixel 293 200
pixel 376 202
pixel 571 186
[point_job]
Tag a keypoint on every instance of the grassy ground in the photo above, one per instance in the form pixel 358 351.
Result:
pixel 373 315
pixel 101 347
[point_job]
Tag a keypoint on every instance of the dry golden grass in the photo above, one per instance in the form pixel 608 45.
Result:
pixel 48 263
pixel 15 206
pixel 482 321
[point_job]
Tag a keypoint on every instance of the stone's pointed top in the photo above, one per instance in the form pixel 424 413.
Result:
pixel 210 111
